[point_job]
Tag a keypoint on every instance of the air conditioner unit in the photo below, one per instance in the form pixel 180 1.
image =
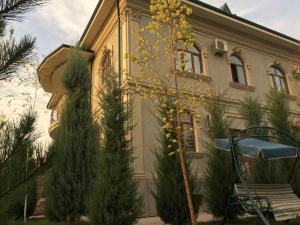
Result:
pixel 297 72
pixel 219 47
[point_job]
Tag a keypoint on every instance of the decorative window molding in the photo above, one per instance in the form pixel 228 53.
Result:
pixel 277 76
pixel 239 69
pixel 192 63
pixel 195 76
pixel 106 67
pixel 242 86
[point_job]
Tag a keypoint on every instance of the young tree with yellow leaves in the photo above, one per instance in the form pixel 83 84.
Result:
pixel 162 69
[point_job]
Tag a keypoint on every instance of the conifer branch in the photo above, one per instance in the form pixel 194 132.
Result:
pixel 13 54
pixel 14 9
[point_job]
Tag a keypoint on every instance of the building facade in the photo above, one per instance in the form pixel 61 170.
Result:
pixel 230 54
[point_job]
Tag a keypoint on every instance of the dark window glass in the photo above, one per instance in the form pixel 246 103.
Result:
pixel 237 70
pixel 188 131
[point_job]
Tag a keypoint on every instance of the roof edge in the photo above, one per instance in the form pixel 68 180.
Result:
pixel 58 49
pixel 90 21
pixel 233 16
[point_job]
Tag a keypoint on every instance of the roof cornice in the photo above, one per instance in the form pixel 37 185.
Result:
pixel 240 19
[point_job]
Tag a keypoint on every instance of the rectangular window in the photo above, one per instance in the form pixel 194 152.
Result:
pixel 188 131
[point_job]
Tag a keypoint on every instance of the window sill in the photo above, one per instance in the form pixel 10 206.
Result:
pixel 194 76
pixel 195 155
pixel 242 87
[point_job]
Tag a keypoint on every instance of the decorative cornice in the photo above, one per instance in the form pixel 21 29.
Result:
pixel 242 41
pixel 133 13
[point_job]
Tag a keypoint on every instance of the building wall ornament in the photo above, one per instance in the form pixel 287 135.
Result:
pixel 133 13
pixel 242 87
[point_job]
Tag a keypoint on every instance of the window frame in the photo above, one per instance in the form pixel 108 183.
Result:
pixel 281 77
pixel 192 55
pixel 238 66
pixel 191 118
pixel 106 65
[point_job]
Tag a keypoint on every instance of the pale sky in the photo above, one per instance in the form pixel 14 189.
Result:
pixel 63 21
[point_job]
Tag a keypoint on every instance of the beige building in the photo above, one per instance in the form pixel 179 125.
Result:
pixel 230 54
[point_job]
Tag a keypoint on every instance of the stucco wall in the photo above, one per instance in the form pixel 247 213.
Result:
pixel 258 56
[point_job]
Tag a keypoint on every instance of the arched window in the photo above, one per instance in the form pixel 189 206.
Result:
pixel 237 70
pixel 106 68
pixel 278 79
pixel 190 61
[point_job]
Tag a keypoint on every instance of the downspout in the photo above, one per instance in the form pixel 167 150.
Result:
pixel 119 43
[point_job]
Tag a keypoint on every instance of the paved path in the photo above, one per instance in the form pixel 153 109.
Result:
pixel 203 217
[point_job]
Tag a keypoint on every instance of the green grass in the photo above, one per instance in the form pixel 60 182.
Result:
pixel 254 221
pixel 248 221
pixel 40 222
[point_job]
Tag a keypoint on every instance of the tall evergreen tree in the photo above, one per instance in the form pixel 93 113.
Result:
pixel 169 193
pixel 263 171
pixel 13 53
pixel 279 118
pixel 218 166
pixel 115 199
pixel 279 111
pixel 251 111
pixel 18 147
pixel 76 146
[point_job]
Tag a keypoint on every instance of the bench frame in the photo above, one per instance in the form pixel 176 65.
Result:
pixel 254 202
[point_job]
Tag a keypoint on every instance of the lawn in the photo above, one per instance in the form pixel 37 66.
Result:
pixel 254 221
pixel 40 222
pixel 249 221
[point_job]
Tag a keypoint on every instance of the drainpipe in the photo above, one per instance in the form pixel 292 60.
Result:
pixel 119 43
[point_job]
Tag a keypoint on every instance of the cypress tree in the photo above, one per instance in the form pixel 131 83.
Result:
pixel 251 111
pixel 279 118
pixel 263 171
pixel 218 163
pixel 279 111
pixel 75 146
pixel 169 193
pixel 114 199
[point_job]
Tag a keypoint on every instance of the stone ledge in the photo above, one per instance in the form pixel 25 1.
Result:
pixel 292 97
pixel 195 155
pixel 242 87
pixel 195 76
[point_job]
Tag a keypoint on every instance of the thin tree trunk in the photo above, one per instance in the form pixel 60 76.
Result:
pixel 181 147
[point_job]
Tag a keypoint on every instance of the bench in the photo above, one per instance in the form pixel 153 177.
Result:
pixel 279 199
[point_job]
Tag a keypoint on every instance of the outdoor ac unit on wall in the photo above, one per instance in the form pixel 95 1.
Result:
pixel 297 72
pixel 219 47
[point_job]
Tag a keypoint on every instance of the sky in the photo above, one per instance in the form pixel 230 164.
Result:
pixel 63 21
